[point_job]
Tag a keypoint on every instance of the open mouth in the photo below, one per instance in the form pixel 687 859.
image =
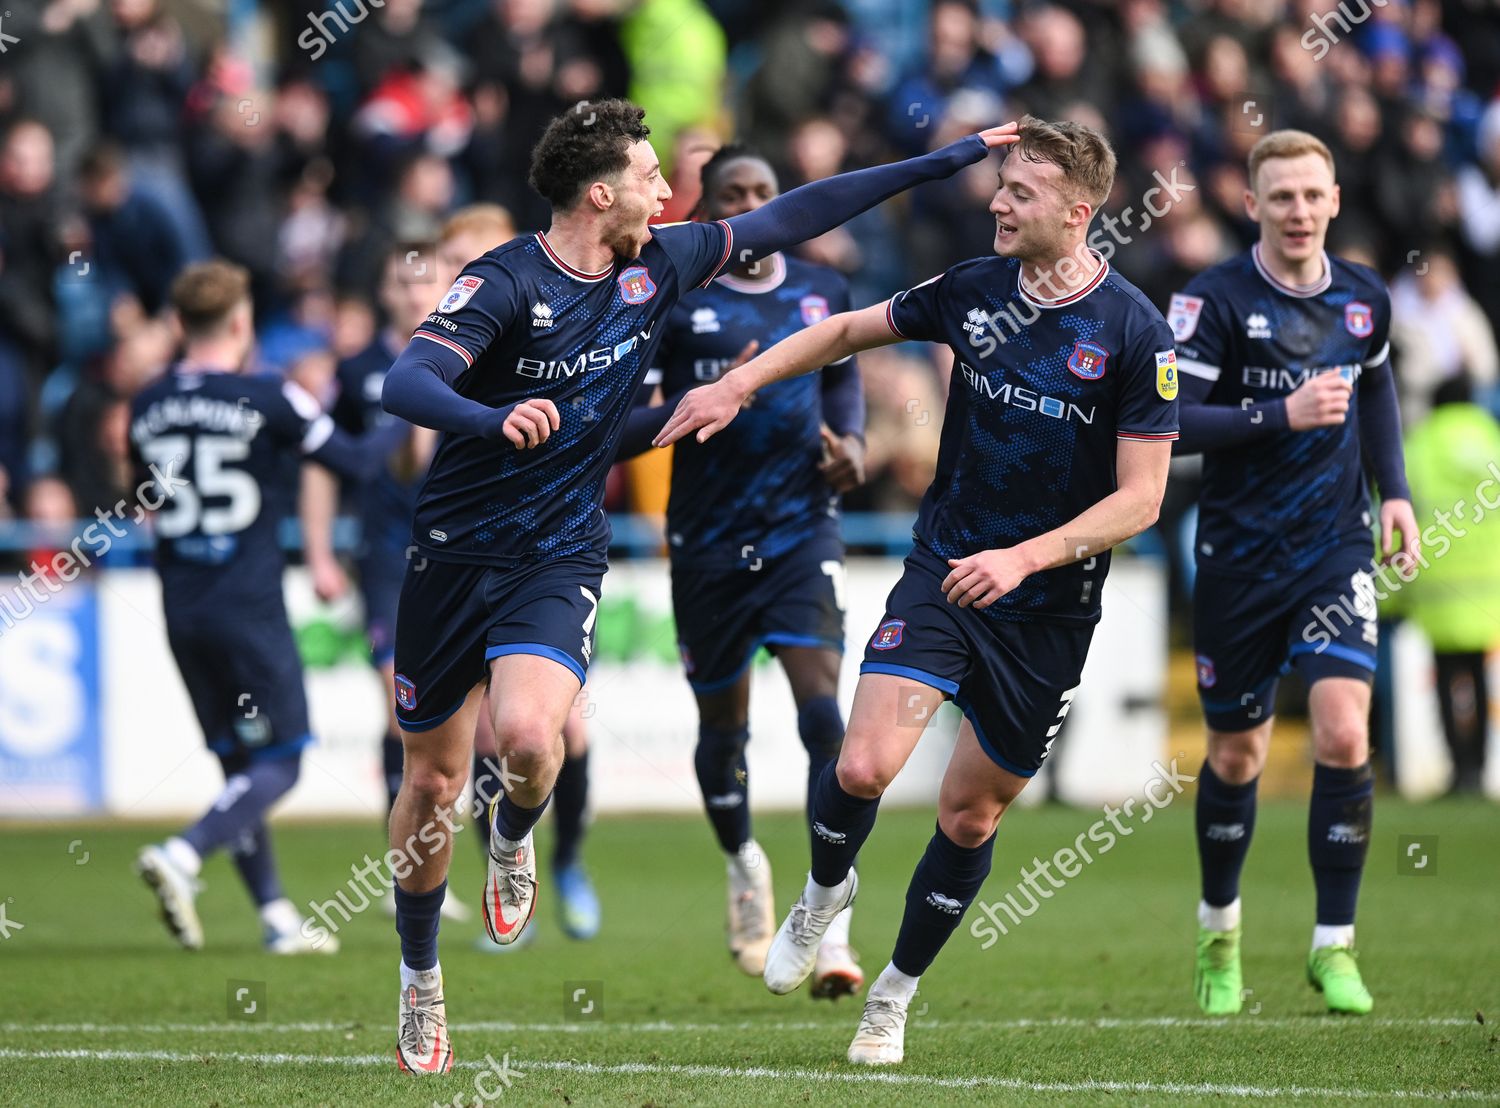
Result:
pixel 1004 230
pixel 1298 237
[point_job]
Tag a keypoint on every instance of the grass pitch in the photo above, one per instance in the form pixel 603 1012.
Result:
pixel 1087 1001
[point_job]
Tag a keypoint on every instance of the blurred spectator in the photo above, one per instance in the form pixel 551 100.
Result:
pixel 1479 214
pixel 397 38
pixel 1438 333
pixel 68 44
pixel 15 420
pixel 29 247
pixel 801 54
pixel 1455 597
pixel 137 249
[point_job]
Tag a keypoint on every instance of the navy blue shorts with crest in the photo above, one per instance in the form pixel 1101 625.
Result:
pixel 1247 633
pixel 724 616
pixel 1013 681
pixel 244 677
pixel 457 616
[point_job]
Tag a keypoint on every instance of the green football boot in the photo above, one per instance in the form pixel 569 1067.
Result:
pixel 1217 982
pixel 1334 972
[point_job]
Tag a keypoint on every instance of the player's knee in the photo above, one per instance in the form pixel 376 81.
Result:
pixel 863 776
pixel 719 749
pixel 525 739
pixel 821 726
pixel 1342 741
pixel 433 785
pixel 1236 757
pixel 972 825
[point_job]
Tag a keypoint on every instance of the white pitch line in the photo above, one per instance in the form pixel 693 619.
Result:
pixel 1239 1023
pixel 769 1073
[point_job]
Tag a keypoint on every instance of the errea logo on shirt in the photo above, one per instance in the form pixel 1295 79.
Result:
pixel 1257 326
pixel 705 321
pixel 541 315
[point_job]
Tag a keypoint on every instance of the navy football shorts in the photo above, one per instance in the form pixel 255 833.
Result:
pixel 456 617
pixel 244 677
pixel 724 616
pixel 380 576
pixel 1247 633
pixel 1013 681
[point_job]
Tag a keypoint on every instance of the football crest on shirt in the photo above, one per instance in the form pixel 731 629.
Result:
pixel 1206 675
pixel 1087 360
pixel 814 309
pixel 888 635
pixel 1166 374
pixel 636 285
pixel 406 692
pixel 705 321
pixel 1183 315
pixel 1359 320
pixel 461 293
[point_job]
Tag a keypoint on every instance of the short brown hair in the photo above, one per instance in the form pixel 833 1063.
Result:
pixel 1084 155
pixel 205 294
pixel 490 220
pixel 586 143
pixel 1287 144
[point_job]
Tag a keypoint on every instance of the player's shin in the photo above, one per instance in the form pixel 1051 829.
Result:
pixel 820 725
pixel 417 917
pixel 256 864
pixel 1338 839
pixel 570 798
pixel 841 823
pixel 1225 822
pixel 719 761
pixel 392 756
pixel 944 883
pixel 248 794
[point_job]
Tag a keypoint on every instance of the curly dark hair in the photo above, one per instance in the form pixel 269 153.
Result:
pixel 729 152
pixel 589 141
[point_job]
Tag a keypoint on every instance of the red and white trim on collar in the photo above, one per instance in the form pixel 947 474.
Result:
pixel 1317 287
pixel 449 343
pixel 758 285
pixel 576 274
pixel 1070 298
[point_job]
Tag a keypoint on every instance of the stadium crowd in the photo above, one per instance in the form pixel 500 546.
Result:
pixel 307 140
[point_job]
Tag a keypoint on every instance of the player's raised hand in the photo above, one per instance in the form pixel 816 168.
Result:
pixel 1003 135
pixel 707 411
pixel 1321 401
pixel 843 464
pixel 981 579
pixel 1396 515
pixel 531 422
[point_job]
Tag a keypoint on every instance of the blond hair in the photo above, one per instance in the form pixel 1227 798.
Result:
pixel 1286 144
pixel 205 294
pixel 1084 155
pixel 490 220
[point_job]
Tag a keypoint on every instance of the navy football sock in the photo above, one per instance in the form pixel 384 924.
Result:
pixel 248 794
pixel 821 726
pixel 572 796
pixel 486 776
pixel 724 779
pixel 256 863
pixel 945 882
pixel 840 825
pixel 417 916
pixel 1338 838
pixel 1225 816
pixel 392 759
pixel 513 821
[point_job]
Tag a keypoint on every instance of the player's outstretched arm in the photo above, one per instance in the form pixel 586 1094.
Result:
pixel 419 389
pixel 1141 479
pixel 819 207
pixel 710 409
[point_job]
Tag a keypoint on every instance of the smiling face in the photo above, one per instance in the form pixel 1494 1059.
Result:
pixel 1293 199
pixel 739 187
pixel 630 199
pixel 1037 215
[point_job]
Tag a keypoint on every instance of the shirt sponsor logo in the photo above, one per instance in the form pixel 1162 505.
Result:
pixel 1029 400
pixel 636 285
pixel 461 293
pixel 1183 315
pixel 585 362
pixel 1087 360
pixel 1359 319
pixel 1257 326
pixel 1166 374
pixel 705 321
pixel 1280 379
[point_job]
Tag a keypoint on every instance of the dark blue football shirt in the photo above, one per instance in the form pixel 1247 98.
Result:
pixel 524 324
pixel 385 502
pixel 1041 391
pixel 230 449
pixel 1279 503
pixel 753 490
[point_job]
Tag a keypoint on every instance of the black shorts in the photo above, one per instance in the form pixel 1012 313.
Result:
pixel 1247 633
pixel 244 678
pixel 1013 681
pixel 724 616
pixel 455 617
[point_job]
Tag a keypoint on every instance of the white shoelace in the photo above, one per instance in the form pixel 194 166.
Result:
pixel 420 1026
pixel 883 1018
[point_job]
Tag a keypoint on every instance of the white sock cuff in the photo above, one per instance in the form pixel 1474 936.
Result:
pixel 183 856
pixel 421 978
pixel 822 896
pixel 1332 935
pixel 894 984
pixel 1226 918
